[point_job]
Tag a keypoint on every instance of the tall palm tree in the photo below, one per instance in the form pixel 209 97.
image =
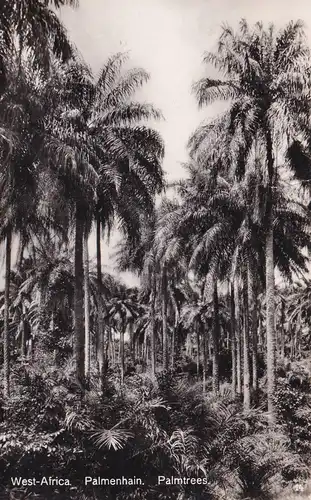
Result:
pixel 21 109
pixel 141 259
pixel 137 162
pixel 123 310
pixel 117 158
pixel 36 27
pixel 87 342
pixel 227 230
pixel 262 72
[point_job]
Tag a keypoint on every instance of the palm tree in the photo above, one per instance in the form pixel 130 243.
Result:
pixel 20 173
pixel 219 209
pixel 118 160
pixel 262 70
pixel 234 353
pixel 137 162
pixel 36 27
pixel 196 227
pixel 123 310
pixel 238 335
pixel 246 341
pixel 87 342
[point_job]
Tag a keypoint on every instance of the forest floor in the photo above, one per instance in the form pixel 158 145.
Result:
pixel 288 494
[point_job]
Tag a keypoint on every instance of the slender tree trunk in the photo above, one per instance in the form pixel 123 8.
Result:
pixel 270 284
pixel 209 345
pixel 23 341
pixel 164 318
pixel 270 321
pixel 291 332
pixel 6 339
pixel 296 342
pixel 51 327
pixel 260 335
pixel 122 366
pixel 233 342
pixel 204 358
pixel 253 314
pixel 100 325
pixel 132 344
pixel 282 343
pixel 173 347
pixel 216 335
pixel 78 298
pixel 238 335
pixel 152 325
pixel 20 254
pixel 113 348
pixel 23 337
pixel 197 333
pixel 246 365
pixel 299 334
pixel 87 308
pixel 145 351
pixel 109 340
pixel 30 353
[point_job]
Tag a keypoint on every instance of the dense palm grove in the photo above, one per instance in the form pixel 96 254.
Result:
pixel 203 370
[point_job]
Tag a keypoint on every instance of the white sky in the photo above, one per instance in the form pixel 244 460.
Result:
pixel 168 39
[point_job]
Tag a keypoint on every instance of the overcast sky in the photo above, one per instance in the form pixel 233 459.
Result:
pixel 168 39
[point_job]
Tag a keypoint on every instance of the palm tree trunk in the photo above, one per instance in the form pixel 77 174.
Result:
pixel 23 340
pixel 253 314
pixel 109 340
pixel 132 344
pixel 233 342
pixel 6 340
pixel 78 298
pixel 238 335
pixel 23 333
pixel 175 314
pixel 299 334
pixel 260 334
pixel 21 251
pixel 51 326
pixel 87 308
pixel 270 284
pixel 209 345
pixel 270 321
pixel 173 347
pixel 282 346
pixel 122 367
pixel 145 351
pixel 152 325
pixel 113 348
pixel 204 359
pixel 164 318
pixel 246 367
pixel 216 335
pixel 291 333
pixel 197 333
pixel 100 326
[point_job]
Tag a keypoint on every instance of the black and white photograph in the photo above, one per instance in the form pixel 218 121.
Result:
pixel 155 250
